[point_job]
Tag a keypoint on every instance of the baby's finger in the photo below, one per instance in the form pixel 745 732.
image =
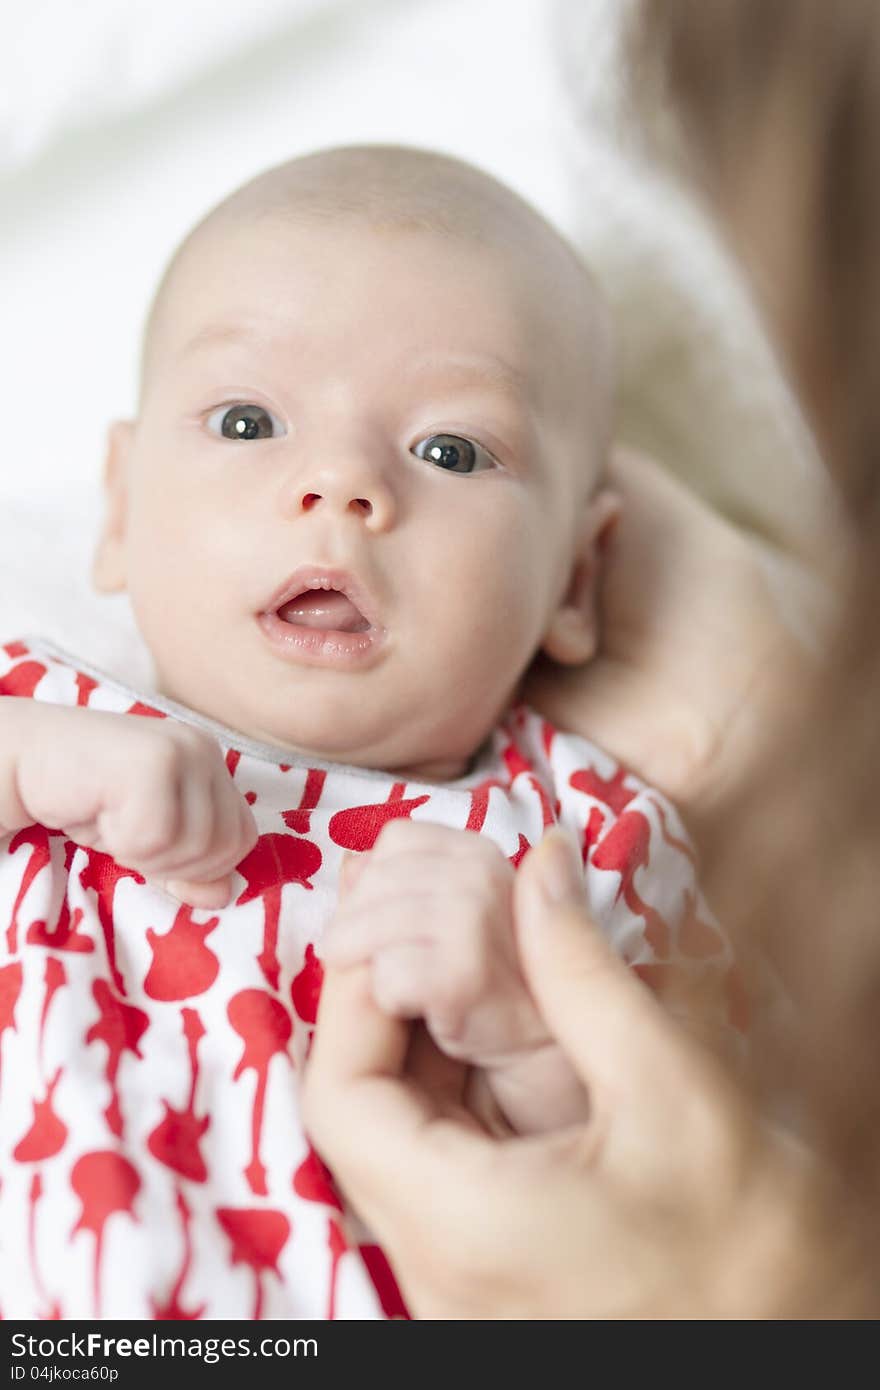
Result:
pixel 233 837
pixel 209 896
pixel 404 835
pixel 221 831
pixel 194 842
pixel 378 886
pixel 211 884
pixel 350 870
pixel 404 980
pixel 354 937
pixel 86 834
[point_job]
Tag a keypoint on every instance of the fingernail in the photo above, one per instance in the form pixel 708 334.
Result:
pixel 560 874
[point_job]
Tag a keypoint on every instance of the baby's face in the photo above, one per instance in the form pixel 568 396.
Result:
pixel 347 513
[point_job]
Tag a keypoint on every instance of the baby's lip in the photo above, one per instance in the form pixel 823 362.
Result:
pixel 307 577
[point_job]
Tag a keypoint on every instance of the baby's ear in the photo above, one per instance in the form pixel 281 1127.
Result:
pixel 108 564
pixel 573 632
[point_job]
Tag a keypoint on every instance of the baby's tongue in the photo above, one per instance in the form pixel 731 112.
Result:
pixel 323 608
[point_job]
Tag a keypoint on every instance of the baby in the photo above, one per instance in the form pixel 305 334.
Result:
pixel 363 490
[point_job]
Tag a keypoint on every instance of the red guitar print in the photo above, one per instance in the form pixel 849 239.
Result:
pixel 85 685
pixel 314 1182
pixel 176 1138
pixel 358 827
pixel 624 850
pixel 338 1246
pixel 174 1309
pixel 106 1184
pixel 265 1027
pixel 517 764
pixel 15 649
pixel 274 861
pixel 103 876
pixel 592 831
pixel 384 1282
pixel 53 1308
pixel 47 1134
pixel 182 964
pixel 548 736
pixel 23 679
pixel 480 803
pixel 37 836
pixel 520 852
pixel 300 819
pixel 611 791
pixel 257 1238
pixel 54 978
pixel 120 1027
pixel 64 935
pixel 305 989
pixel 10 988
pixel 672 840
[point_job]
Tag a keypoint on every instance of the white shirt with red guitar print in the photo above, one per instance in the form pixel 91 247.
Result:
pixel 152 1162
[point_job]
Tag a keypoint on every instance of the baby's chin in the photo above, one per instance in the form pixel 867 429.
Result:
pixel 388 753
pixel 344 738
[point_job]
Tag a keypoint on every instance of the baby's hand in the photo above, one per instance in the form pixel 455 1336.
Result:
pixel 430 909
pixel 152 793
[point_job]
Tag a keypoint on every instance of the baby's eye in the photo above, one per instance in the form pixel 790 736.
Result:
pixel 452 452
pixel 244 422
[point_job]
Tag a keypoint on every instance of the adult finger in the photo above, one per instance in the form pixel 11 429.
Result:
pixel 611 1027
pixel 353 1039
pixel 370 1122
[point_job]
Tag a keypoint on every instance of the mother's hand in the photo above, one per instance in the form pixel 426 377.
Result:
pixel 696 654
pixel 672 1201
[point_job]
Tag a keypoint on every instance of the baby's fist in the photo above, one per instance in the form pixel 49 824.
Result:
pixel 154 794
pixel 430 909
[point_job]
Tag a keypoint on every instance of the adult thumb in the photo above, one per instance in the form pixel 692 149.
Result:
pixel 606 1021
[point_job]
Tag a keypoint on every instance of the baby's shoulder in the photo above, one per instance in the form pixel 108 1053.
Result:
pixel 34 668
pixel 587 783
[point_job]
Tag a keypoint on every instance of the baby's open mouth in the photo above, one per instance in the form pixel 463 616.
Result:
pixel 327 609
pixel 323 616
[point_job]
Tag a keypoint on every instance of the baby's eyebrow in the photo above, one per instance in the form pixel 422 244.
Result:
pixel 479 371
pixel 218 334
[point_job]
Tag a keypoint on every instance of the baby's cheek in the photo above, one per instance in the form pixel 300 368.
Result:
pixel 505 622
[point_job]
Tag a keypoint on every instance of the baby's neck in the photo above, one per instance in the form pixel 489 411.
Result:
pixel 441 771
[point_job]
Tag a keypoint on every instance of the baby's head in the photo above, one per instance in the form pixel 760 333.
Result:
pixel 362 489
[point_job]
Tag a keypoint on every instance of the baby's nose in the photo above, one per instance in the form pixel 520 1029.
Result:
pixel 356 489
pixel 361 505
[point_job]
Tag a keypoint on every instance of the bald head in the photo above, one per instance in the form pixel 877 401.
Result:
pixel 396 190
